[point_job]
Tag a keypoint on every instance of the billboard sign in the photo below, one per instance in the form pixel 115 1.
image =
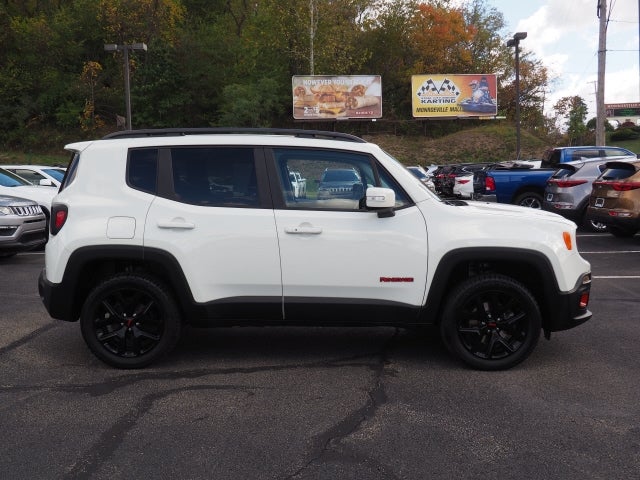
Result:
pixel 622 109
pixel 460 96
pixel 345 97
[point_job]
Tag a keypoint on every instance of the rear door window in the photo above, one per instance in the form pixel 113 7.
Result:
pixel 215 176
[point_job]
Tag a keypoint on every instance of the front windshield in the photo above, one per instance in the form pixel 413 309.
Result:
pixel 8 179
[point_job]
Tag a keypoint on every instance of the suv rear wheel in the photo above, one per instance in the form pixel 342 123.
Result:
pixel 491 322
pixel 130 320
pixel 622 232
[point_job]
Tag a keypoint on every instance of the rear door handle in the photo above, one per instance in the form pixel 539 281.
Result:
pixel 177 223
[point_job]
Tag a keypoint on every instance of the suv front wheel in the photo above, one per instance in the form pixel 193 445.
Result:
pixel 130 320
pixel 491 322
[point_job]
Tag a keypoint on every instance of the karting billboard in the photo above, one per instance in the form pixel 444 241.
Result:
pixel 461 96
pixel 326 97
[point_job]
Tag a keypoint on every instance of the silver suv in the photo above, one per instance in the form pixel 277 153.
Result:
pixel 22 225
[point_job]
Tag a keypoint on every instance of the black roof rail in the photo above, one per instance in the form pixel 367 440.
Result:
pixel 175 132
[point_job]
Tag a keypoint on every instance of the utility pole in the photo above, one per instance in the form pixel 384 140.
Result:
pixel 313 23
pixel 602 58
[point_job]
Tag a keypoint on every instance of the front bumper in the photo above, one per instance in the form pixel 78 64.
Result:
pixel 570 309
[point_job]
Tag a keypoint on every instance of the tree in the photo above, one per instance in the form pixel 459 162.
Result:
pixel 574 112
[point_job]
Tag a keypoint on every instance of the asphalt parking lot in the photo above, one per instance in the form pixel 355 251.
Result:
pixel 324 403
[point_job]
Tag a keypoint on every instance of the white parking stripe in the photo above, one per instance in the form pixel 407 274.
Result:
pixel 614 251
pixel 616 276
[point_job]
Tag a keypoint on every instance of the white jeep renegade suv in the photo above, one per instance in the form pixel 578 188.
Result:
pixel 154 229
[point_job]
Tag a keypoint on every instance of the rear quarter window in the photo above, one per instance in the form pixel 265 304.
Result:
pixel 142 169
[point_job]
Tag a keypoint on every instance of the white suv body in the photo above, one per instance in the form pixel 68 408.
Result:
pixel 247 251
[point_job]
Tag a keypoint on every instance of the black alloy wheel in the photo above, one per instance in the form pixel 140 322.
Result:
pixel 130 320
pixel 491 322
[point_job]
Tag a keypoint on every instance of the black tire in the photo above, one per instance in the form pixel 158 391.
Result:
pixel 491 322
pixel 621 232
pixel 130 320
pixel 529 199
pixel 592 225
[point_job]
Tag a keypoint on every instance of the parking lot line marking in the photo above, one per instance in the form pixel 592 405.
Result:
pixel 616 276
pixel 614 251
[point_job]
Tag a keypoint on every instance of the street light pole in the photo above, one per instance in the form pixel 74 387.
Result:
pixel 515 42
pixel 112 47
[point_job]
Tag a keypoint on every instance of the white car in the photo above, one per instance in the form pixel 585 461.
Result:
pixel 463 186
pixel 144 242
pixel 39 174
pixel 16 186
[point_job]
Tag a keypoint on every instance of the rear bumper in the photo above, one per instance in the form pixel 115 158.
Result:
pixel 485 197
pixel 55 299
pixel 602 215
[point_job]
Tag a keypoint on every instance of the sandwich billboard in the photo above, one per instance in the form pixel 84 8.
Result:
pixel 340 97
pixel 461 96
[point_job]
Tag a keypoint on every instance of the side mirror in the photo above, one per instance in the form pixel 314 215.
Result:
pixel 381 199
pixel 45 182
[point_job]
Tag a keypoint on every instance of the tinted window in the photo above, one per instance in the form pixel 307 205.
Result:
pixel 70 174
pixel 215 176
pixel 29 175
pixel 618 172
pixel 585 153
pixel 8 179
pixel 564 172
pixel 340 176
pixel 612 152
pixel 142 169
pixel 56 173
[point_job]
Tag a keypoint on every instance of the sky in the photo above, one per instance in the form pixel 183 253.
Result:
pixel 564 35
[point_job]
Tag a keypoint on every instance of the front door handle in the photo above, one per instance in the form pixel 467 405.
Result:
pixel 304 229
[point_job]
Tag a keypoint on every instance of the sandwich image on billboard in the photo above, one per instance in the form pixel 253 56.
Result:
pixel 326 97
pixel 454 96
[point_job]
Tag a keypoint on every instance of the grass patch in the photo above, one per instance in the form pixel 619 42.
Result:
pixel 8 158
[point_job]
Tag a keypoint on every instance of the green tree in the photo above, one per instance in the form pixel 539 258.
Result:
pixel 573 110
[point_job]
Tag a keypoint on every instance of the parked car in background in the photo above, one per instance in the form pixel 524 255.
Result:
pixel 568 190
pixel 38 174
pixel 16 186
pixel 22 225
pixel 299 185
pixel 515 183
pixel 570 154
pixel 615 198
pixel 422 175
pixel 340 183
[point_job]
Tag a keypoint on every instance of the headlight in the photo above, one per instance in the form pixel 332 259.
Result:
pixel 5 211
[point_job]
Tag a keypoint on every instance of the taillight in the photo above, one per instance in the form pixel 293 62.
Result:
pixel 462 181
pixel 618 186
pixel 565 183
pixel 59 214
pixel 490 183
pixel 625 186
